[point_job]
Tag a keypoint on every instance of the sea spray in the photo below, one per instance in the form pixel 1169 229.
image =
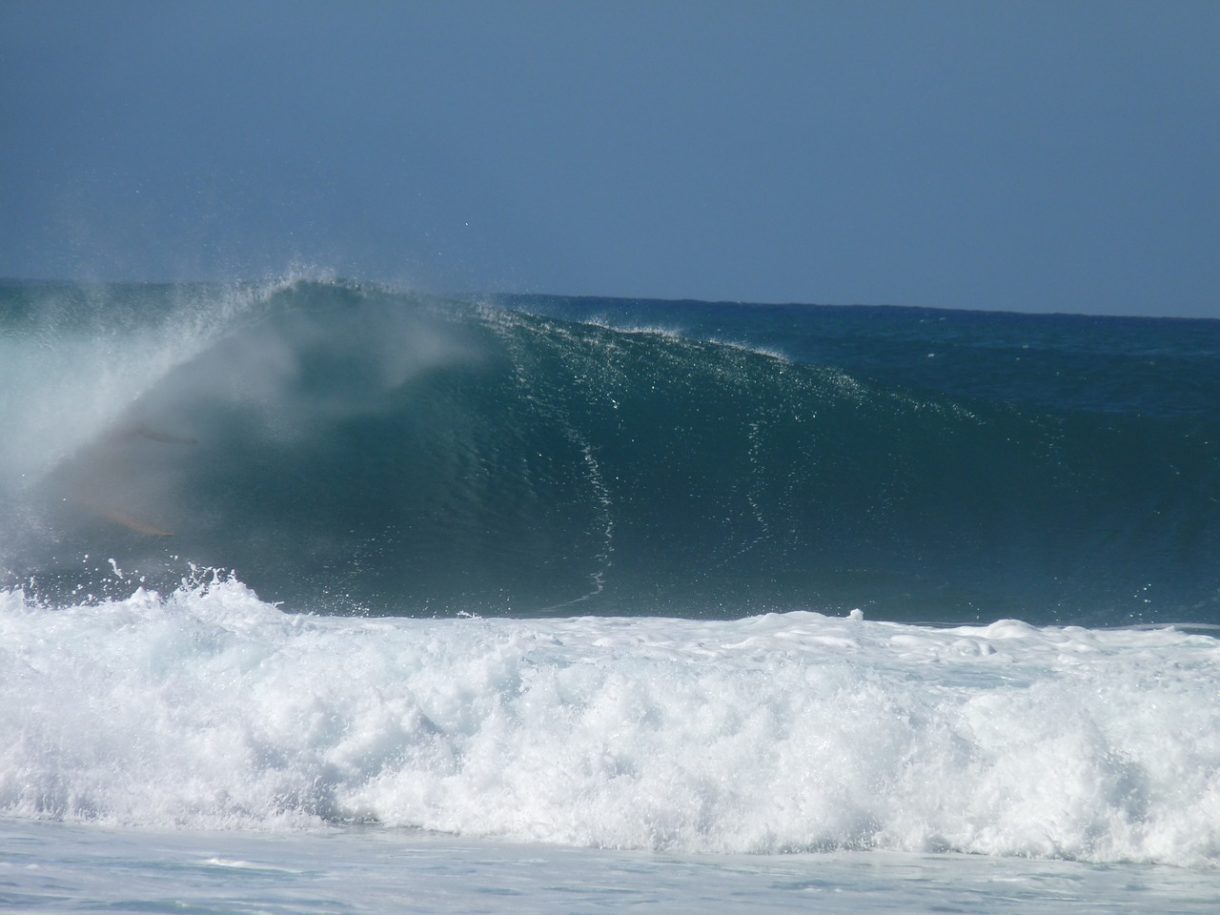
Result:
pixel 209 708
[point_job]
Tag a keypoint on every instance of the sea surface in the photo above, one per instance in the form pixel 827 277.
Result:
pixel 320 595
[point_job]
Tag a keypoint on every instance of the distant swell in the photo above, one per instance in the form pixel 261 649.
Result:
pixel 351 448
pixel 210 709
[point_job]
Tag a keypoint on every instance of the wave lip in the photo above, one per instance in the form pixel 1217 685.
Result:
pixel 209 708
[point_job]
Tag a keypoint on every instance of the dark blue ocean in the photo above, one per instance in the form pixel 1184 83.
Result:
pixel 353 449
pixel 316 592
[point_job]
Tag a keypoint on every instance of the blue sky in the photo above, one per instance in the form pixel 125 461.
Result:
pixel 1024 156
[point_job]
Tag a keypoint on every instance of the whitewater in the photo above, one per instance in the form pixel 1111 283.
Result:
pixel 570 604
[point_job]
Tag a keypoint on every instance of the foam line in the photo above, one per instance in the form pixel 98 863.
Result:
pixel 210 708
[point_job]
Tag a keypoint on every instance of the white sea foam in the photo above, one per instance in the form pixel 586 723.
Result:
pixel 209 708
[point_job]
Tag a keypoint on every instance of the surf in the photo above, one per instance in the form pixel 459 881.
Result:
pixel 353 448
pixel 208 708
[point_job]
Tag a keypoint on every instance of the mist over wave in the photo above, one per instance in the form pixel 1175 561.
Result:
pixel 353 448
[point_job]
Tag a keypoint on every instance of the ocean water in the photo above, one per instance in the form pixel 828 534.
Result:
pixel 320 595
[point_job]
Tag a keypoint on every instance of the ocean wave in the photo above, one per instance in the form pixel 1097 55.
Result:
pixel 209 708
pixel 350 447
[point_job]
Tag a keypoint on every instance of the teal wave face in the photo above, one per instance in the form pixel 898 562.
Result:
pixel 1049 363
pixel 354 448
